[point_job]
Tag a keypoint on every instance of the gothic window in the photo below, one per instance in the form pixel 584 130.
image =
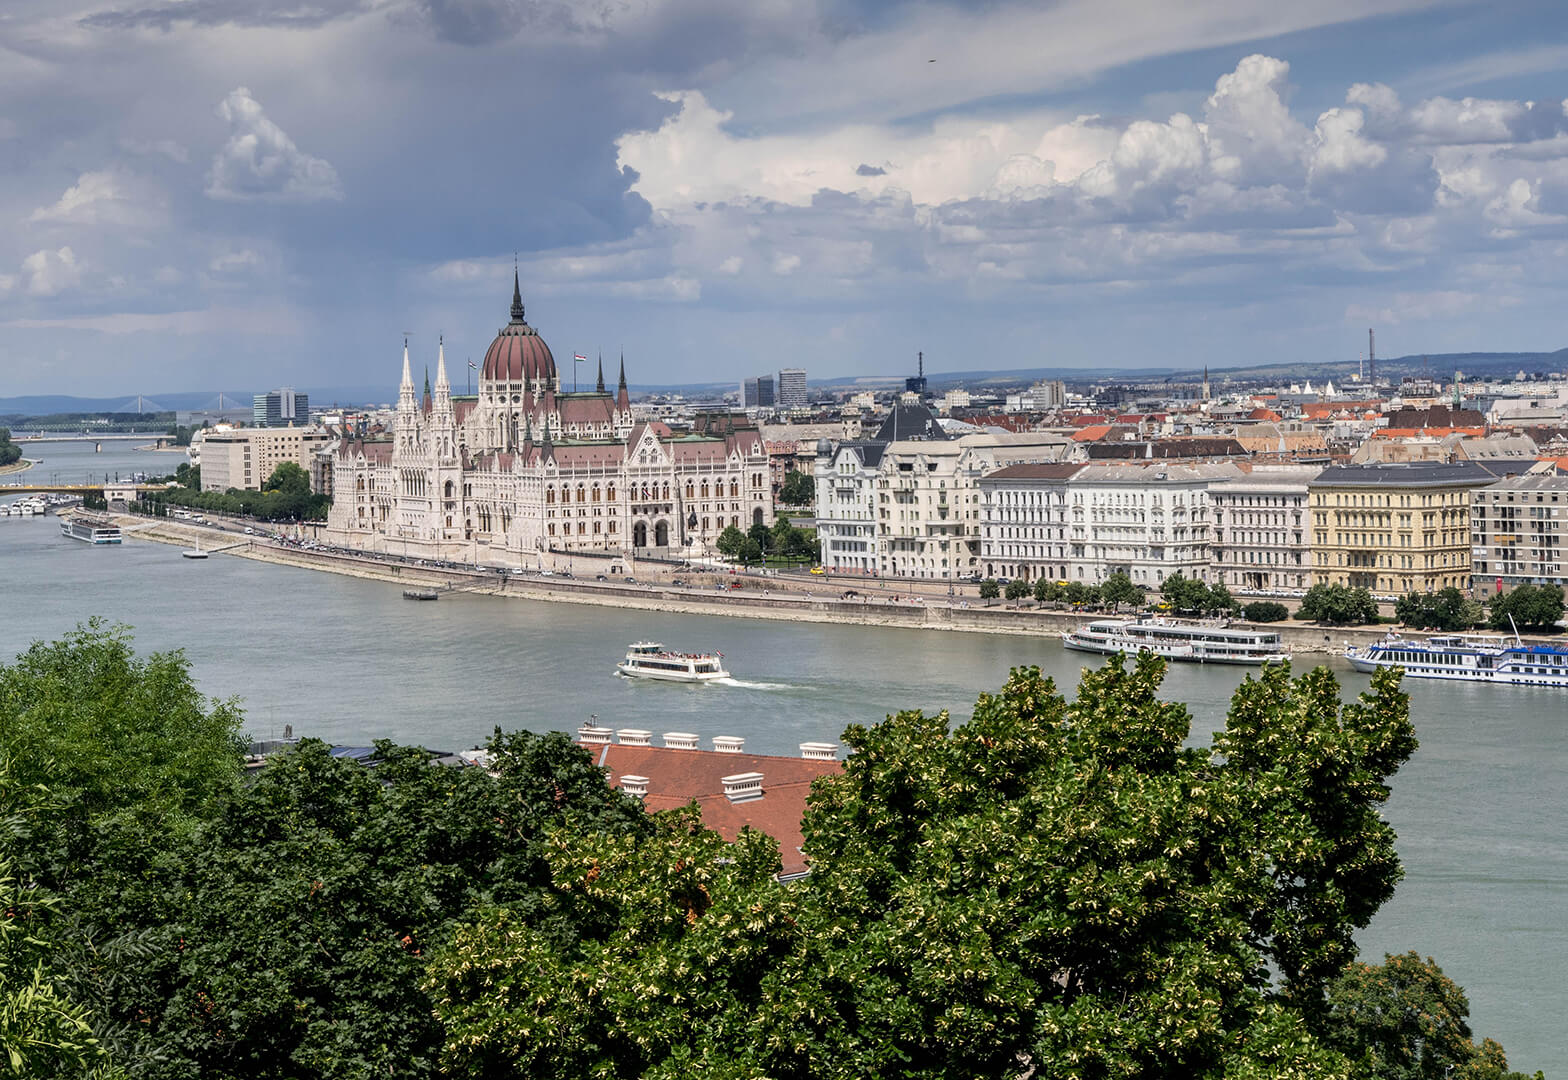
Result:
pixel 734 489
pixel 596 493
pixel 552 528
pixel 582 495
pixel 691 490
pixel 549 495
pixel 449 492
pixel 609 495
pixel 704 489
pixel 666 491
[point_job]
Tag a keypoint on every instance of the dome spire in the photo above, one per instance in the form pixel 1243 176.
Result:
pixel 517 293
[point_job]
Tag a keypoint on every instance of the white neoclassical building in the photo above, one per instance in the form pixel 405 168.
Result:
pixel 1145 521
pixel 526 468
pixel 1024 521
pixel 1261 538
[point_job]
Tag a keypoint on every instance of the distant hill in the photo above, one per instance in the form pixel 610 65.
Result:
pixel 1439 365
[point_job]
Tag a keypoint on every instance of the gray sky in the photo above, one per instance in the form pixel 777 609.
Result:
pixel 246 193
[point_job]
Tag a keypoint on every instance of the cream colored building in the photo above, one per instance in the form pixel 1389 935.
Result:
pixel 1394 528
pixel 244 458
pixel 928 499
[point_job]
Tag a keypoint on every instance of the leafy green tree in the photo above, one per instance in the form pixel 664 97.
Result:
pixel 798 489
pixel 1447 609
pixel 1338 605
pixel 1080 595
pixel 762 536
pixel 10 453
pixel 1265 611
pixel 1060 886
pixel 1404 1019
pixel 989 589
pixel 1046 590
pixel 1118 589
pixel 750 550
pixel 1220 601
pixel 1536 608
pixel 1017 589
pixel 730 541
pixel 188 476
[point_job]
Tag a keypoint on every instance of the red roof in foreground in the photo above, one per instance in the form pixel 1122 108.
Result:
pixel 676 777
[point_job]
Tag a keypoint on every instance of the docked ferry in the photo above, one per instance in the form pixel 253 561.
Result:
pixel 1204 643
pixel 650 660
pixel 92 528
pixel 1467 658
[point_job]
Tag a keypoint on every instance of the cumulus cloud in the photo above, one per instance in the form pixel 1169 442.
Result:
pixel 45 273
pixel 106 197
pixel 259 162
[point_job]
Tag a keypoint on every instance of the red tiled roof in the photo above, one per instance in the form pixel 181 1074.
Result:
pixel 676 777
pixel 1092 434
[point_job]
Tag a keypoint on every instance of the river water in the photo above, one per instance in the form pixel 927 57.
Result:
pixel 1479 809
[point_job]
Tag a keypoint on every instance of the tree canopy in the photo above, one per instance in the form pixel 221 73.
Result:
pixel 1446 609
pixel 1338 605
pixel 1194 597
pixel 10 453
pixel 1533 607
pixel 798 489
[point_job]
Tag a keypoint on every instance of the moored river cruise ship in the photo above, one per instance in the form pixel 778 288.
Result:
pixel 1466 658
pixel 92 528
pixel 650 660
pixel 1204 643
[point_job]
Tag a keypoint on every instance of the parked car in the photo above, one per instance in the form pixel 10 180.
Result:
pixel 601 577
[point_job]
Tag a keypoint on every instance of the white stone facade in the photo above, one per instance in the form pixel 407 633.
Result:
pixel 1262 529
pixel 1145 521
pixel 1024 522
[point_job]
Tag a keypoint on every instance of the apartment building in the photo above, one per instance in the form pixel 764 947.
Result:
pixel 245 457
pixel 1261 537
pixel 1394 528
pixel 1145 521
pixel 846 478
pixel 1517 529
pixel 1024 521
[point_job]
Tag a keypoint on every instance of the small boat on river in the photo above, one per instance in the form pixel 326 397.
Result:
pixel 1201 642
pixel 651 660
pixel 421 594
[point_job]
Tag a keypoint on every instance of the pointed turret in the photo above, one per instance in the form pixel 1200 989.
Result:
pixel 599 386
pixel 441 383
pixel 425 404
pixel 517 298
pixel 623 400
pixel 408 379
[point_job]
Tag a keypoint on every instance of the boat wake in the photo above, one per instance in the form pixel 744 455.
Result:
pixel 745 684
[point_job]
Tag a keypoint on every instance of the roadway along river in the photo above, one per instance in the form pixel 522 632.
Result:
pixel 1479 809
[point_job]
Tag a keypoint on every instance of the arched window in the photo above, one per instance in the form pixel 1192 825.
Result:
pixel 596 493
pixel 734 489
pixel 582 493
pixel 609 495
pixel 667 491
pixel 704 489
pixel 691 490
pixel 549 497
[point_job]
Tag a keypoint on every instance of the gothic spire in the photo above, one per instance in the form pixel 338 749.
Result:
pixel 408 379
pixel 517 296
pixel 441 380
pixel 622 385
pixel 600 385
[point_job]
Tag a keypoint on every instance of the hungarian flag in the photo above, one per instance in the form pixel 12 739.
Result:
pixel 473 365
pixel 579 357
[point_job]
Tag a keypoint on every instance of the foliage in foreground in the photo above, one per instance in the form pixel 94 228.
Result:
pixel 1537 608
pixel 1056 885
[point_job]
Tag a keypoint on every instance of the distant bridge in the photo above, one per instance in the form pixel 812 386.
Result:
pixel 146 436
pixel 22 487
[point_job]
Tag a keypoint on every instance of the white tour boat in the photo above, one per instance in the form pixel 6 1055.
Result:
pixel 1466 658
pixel 92 528
pixel 650 660
pixel 1205 643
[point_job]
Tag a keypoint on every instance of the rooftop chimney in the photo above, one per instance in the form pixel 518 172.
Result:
pixel 728 744
pixel 680 740
pixel 594 735
pixel 630 736
pixel 742 787
pixel 819 751
pixel 634 785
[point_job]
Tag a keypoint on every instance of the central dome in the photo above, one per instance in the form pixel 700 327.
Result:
pixel 518 353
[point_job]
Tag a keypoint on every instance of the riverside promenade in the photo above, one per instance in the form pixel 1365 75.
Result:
pixel 706 592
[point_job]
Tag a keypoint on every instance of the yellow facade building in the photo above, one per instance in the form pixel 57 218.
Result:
pixel 1394 528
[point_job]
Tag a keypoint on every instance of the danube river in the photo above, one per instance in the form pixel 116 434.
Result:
pixel 1479 809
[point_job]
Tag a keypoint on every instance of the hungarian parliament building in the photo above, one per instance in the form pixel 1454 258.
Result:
pixel 524 468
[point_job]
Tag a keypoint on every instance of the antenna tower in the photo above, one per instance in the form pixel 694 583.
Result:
pixel 1371 357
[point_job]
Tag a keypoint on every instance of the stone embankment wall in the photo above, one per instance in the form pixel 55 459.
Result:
pixel 750 602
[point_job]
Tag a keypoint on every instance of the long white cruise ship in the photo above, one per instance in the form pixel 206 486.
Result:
pixel 1466 658
pixel 1204 643
pixel 650 660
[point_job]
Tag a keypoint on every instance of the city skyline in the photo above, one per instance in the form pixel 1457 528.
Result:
pixel 201 192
